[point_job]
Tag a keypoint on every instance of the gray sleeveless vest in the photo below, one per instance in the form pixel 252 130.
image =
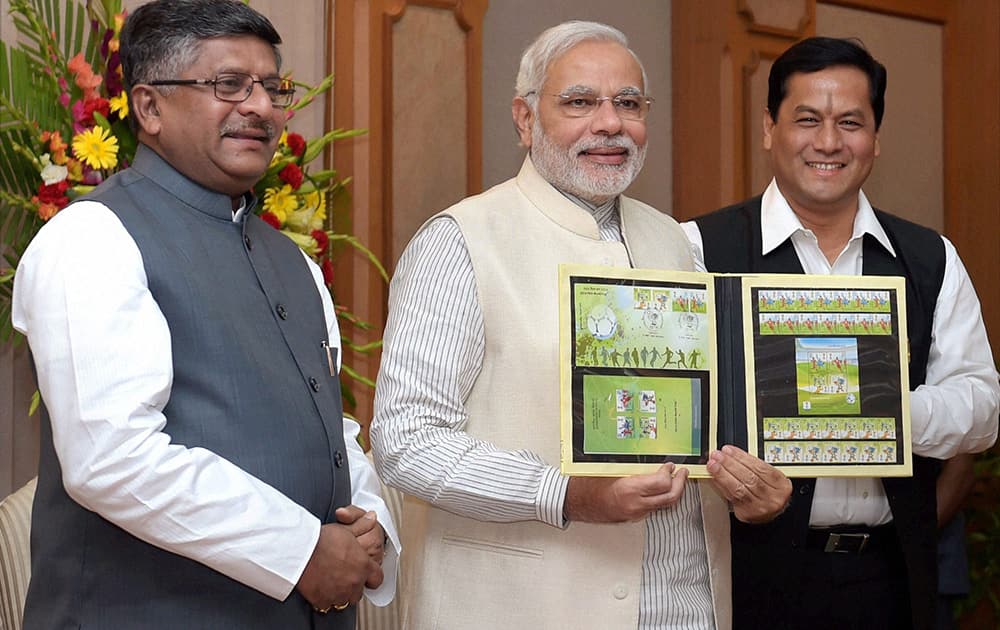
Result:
pixel 251 383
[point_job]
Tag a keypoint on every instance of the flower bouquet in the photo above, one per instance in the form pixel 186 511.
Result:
pixel 64 129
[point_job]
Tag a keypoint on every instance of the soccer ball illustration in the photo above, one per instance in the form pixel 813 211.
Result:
pixel 601 322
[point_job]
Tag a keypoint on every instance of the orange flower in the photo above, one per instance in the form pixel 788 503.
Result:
pixel 47 210
pixel 85 77
pixel 56 146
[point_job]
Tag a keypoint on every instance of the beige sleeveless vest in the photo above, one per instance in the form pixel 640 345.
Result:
pixel 460 573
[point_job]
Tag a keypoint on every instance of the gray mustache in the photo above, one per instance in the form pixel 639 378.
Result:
pixel 266 127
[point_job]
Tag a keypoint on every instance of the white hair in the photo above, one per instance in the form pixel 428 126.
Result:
pixel 554 43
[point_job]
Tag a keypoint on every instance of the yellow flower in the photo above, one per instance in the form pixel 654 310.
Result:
pixel 304 241
pixel 97 147
pixel 119 104
pixel 280 201
pixel 317 200
pixel 283 140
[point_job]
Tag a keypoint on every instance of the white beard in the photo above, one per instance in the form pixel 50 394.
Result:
pixel 563 168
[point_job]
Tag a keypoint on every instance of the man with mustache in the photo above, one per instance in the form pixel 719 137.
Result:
pixel 467 402
pixel 196 468
pixel 853 552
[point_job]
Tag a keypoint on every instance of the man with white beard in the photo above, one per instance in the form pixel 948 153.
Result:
pixel 467 404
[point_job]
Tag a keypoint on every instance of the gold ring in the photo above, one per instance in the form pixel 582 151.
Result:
pixel 322 611
pixel 339 607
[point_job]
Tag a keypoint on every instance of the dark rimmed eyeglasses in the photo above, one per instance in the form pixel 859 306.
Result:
pixel 236 87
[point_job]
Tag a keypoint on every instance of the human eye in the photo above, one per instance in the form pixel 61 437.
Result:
pixel 807 120
pixel 230 83
pixel 578 102
pixel 274 87
pixel 628 103
pixel 851 124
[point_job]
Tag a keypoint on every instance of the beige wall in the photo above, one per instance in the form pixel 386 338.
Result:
pixel 511 25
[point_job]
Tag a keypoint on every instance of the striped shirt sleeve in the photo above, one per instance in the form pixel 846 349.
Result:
pixel 432 353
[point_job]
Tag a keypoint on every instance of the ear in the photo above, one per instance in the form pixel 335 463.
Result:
pixel 768 128
pixel 524 119
pixel 877 148
pixel 144 104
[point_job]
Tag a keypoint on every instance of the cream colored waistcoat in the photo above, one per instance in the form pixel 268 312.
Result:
pixel 464 574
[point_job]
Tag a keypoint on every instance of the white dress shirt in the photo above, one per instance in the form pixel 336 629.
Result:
pixel 435 341
pixel 103 356
pixel 954 411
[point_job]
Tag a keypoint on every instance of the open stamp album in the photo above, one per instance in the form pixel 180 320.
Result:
pixel 809 373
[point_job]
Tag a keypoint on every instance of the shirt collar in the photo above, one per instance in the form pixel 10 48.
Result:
pixel 779 222
pixel 149 164
pixel 605 213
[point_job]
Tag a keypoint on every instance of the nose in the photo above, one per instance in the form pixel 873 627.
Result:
pixel 258 102
pixel 827 138
pixel 606 119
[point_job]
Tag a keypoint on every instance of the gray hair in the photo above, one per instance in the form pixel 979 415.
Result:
pixel 554 43
pixel 162 38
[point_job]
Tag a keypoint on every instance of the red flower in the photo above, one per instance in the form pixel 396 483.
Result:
pixel 271 219
pixel 291 175
pixel 296 144
pixel 53 194
pixel 322 241
pixel 327 267
pixel 83 112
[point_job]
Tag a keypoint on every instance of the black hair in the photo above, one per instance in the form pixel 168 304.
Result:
pixel 818 53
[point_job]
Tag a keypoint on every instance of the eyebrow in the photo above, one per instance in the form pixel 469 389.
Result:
pixel 234 70
pixel 583 89
pixel 808 109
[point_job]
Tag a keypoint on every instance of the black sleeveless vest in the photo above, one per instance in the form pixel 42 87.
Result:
pixel 732 243
pixel 251 383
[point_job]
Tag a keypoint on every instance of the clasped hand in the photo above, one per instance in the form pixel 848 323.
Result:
pixel 347 558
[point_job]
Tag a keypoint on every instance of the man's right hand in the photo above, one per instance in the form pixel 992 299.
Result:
pixel 619 499
pixel 338 570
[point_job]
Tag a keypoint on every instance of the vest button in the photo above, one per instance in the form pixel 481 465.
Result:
pixel 282 311
pixel 246 241
pixel 338 459
pixel 804 489
pixel 314 384
pixel 620 592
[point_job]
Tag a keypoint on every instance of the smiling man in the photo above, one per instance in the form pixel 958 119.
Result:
pixel 196 468
pixel 467 403
pixel 853 553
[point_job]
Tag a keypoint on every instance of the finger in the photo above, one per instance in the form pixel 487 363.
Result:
pixel 671 495
pixel 372 541
pixel 375 576
pixel 349 514
pixel 756 468
pixel 658 483
pixel 364 525
pixel 728 476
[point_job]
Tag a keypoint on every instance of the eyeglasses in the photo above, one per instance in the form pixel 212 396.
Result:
pixel 583 104
pixel 236 87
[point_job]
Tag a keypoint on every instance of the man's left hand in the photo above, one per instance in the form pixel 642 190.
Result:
pixel 366 528
pixel 757 491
